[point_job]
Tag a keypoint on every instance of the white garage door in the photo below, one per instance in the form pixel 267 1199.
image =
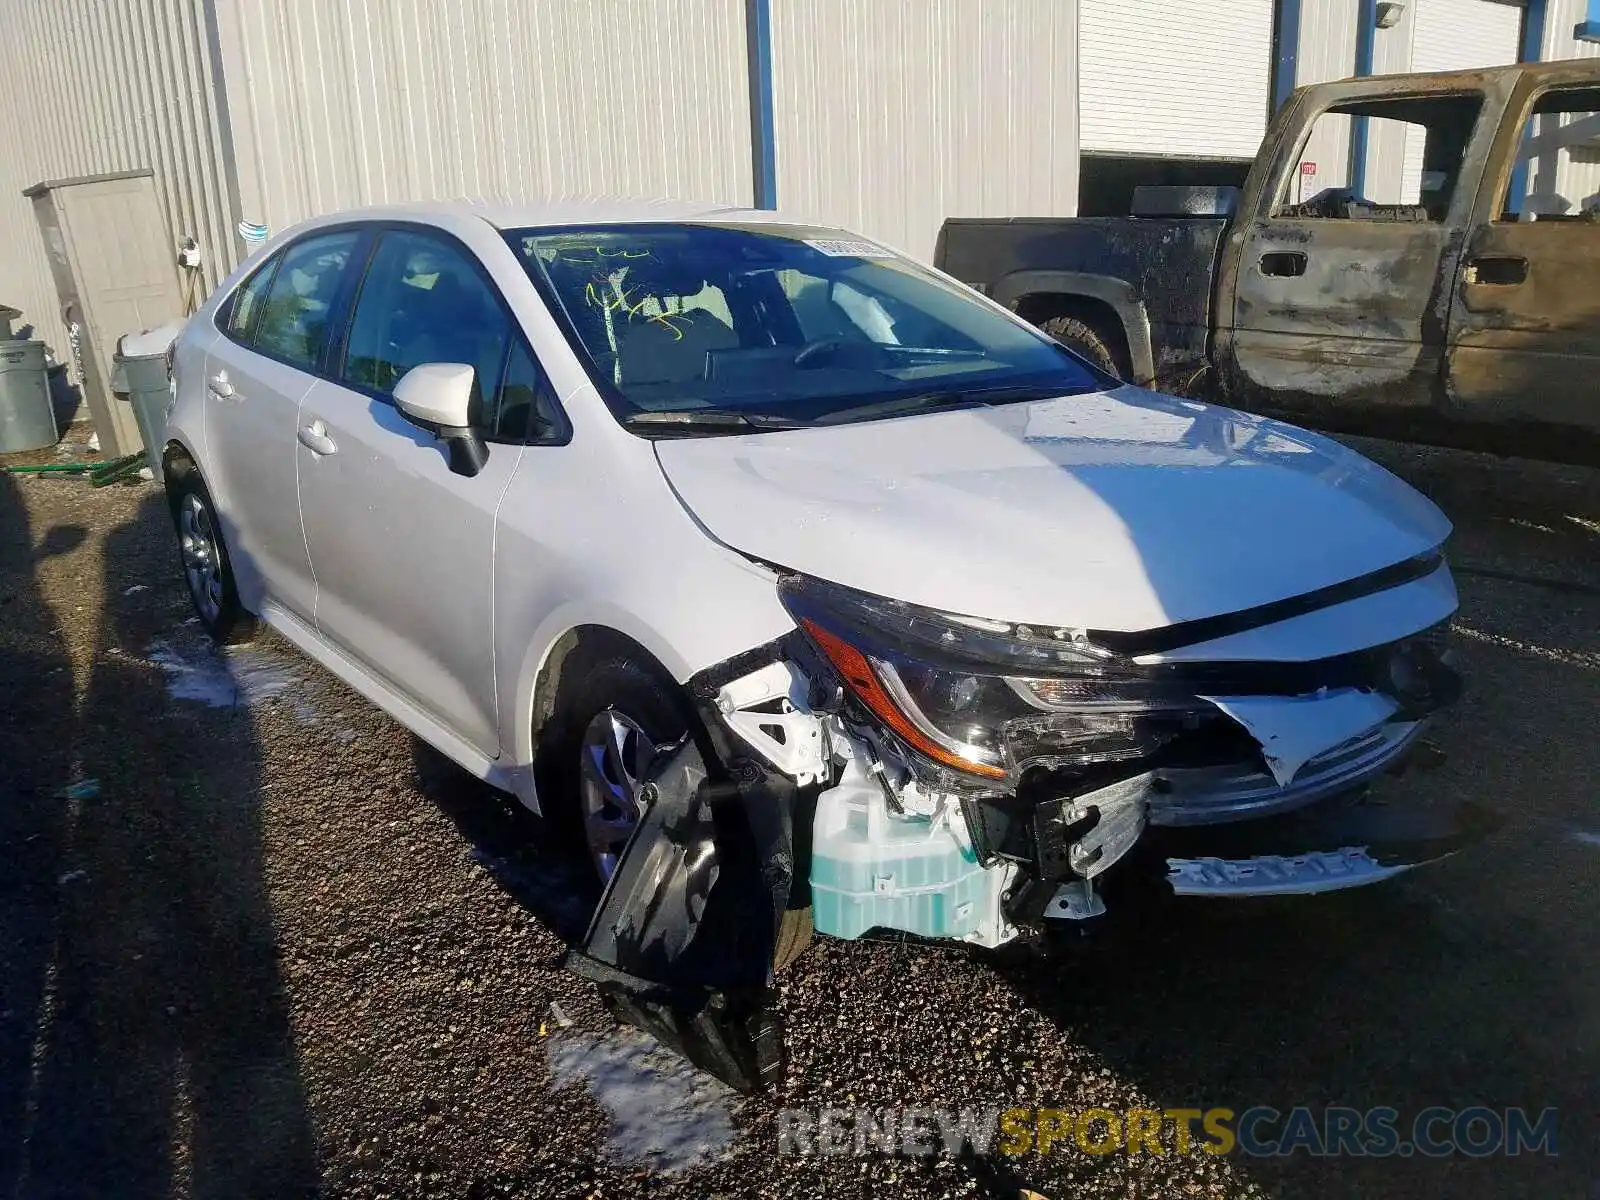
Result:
pixel 1161 78
pixel 1456 35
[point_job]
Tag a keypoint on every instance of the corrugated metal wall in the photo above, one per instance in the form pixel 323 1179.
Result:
pixel 350 102
pixel 1187 79
pixel 1431 35
pixel 895 114
pixel 1560 17
pixel 1575 182
pixel 1457 35
pixel 88 87
pixel 1386 140
pixel 1327 51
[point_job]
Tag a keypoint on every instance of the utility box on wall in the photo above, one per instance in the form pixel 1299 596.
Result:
pixel 115 271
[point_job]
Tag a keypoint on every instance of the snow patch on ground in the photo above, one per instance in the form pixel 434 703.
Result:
pixel 229 677
pixel 664 1113
pixel 1586 837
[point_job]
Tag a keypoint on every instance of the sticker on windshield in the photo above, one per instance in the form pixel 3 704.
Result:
pixel 844 248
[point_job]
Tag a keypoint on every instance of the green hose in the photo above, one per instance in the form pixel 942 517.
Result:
pixel 64 468
pixel 120 468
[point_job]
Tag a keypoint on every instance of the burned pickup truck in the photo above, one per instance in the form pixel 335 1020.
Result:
pixel 1411 256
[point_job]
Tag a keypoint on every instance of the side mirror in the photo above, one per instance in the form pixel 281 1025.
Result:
pixel 438 397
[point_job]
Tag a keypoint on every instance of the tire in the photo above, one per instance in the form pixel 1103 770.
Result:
pixel 207 569
pixel 589 689
pixel 615 683
pixel 1086 343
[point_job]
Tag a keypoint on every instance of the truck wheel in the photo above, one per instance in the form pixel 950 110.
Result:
pixel 1086 343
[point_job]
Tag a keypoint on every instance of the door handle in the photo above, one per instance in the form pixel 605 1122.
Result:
pixel 1497 270
pixel 1288 264
pixel 314 437
pixel 220 386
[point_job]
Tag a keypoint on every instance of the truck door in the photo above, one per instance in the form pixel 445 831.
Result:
pixel 1340 285
pixel 1524 341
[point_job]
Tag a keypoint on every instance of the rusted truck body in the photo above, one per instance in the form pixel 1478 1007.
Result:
pixel 1466 312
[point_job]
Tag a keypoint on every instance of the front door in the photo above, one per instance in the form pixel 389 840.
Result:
pixel 1337 307
pixel 273 335
pixel 403 548
pixel 1524 347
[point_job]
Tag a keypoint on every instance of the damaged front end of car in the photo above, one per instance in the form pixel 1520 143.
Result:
pixel 947 777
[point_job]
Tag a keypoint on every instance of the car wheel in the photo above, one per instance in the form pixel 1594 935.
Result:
pixel 1086 343
pixel 206 568
pixel 617 716
pixel 612 723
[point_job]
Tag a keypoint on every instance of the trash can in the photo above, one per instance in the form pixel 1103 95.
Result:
pixel 27 418
pixel 139 376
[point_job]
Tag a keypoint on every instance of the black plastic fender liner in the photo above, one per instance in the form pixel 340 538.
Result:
pixel 682 941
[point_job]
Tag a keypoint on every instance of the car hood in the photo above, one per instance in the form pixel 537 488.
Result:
pixel 1122 510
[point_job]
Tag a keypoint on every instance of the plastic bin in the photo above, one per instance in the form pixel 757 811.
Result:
pixel 27 418
pixel 139 376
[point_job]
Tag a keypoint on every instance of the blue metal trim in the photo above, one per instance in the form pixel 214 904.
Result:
pixel 763 141
pixel 1532 50
pixel 1286 62
pixel 1588 29
pixel 1533 19
pixel 1366 31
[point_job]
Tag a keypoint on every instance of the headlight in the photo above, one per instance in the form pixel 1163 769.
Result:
pixel 987 698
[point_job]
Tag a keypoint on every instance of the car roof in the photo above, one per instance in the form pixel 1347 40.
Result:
pixel 561 210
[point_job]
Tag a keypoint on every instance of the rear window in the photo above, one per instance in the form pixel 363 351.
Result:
pixel 293 323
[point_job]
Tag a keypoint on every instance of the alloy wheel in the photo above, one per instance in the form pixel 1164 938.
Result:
pixel 202 558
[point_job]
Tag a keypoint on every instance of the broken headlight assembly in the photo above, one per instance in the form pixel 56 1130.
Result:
pixel 989 699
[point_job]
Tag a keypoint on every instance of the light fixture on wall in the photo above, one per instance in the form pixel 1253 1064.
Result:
pixel 1389 13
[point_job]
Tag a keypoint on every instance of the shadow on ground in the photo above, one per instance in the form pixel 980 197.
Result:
pixel 145 1046
pixel 528 859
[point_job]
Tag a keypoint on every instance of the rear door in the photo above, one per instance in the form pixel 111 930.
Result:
pixel 274 330
pixel 1336 300
pixel 403 548
pixel 1524 346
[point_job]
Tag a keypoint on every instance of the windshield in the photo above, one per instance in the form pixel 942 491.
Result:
pixel 707 328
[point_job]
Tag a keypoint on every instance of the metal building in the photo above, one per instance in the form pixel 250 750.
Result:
pixel 883 115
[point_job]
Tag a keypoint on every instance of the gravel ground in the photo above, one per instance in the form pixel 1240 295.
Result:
pixel 255 941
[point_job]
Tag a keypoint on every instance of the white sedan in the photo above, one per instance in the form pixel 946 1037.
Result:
pixel 801 585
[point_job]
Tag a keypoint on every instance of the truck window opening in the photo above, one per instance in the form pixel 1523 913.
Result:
pixel 1415 146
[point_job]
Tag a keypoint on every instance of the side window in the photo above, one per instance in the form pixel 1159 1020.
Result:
pixel 525 408
pixel 246 302
pixel 1557 169
pixel 1410 151
pixel 294 319
pixel 423 301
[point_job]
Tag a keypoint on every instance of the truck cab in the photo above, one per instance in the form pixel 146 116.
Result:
pixel 1438 288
